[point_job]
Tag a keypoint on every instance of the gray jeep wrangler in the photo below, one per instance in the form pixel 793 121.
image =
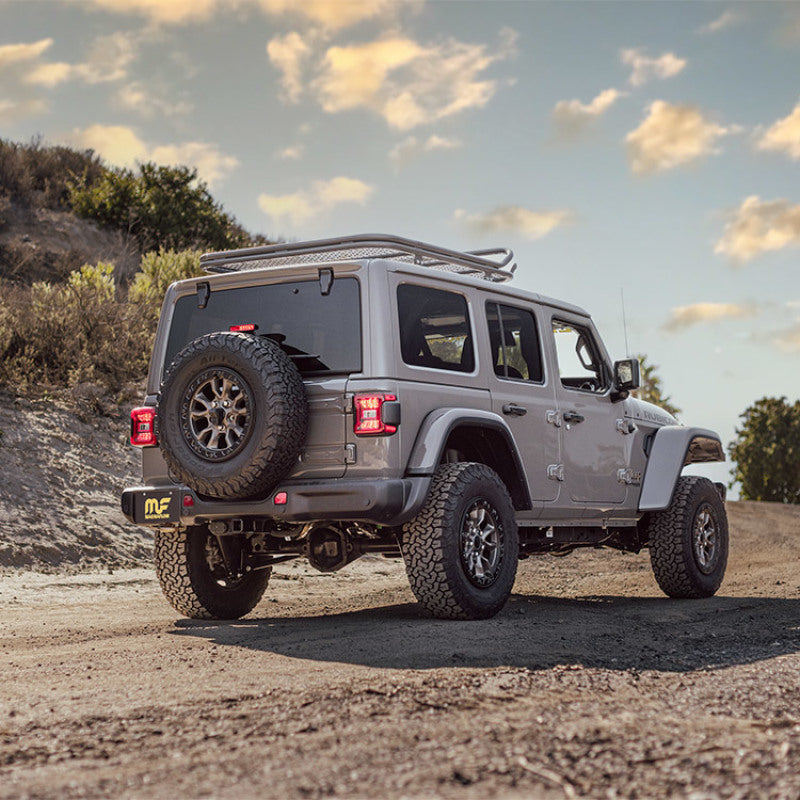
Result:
pixel 373 394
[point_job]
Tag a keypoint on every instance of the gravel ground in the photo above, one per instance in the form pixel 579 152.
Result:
pixel 589 683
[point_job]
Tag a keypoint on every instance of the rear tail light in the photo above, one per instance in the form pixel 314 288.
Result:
pixel 143 427
pixel 376 414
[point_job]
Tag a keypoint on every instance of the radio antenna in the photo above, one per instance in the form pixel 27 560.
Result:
pixel 624 322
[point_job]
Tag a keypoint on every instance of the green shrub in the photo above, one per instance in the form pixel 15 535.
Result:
pixel 164 208
pixel 75 332
pixel 40 176
pixel 157 271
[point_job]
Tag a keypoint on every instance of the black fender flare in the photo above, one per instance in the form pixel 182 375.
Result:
pixel 426 455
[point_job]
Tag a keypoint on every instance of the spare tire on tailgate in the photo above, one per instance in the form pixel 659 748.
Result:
pixel 232 415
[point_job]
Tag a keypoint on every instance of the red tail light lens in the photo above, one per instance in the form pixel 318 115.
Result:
pixel 143 427
pixel 370 417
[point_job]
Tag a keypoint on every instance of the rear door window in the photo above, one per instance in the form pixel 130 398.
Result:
pixel 514 340
pixel 434 329
pixel 321 333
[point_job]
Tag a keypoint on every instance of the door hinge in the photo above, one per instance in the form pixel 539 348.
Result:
pixel 349 454
pixel 629 477
pixel 625 426
pixel 555 472
pixel 553 418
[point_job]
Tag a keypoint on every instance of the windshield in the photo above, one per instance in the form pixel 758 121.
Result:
pixel 321 333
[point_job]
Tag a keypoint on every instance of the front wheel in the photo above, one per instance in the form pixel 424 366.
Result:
pixel 461 550
pixel 193 577
pixel 689 540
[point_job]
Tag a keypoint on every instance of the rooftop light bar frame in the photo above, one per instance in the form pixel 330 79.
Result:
pixel 494 264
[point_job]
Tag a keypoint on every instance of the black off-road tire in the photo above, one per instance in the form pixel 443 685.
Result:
pixel 433 546
pixel 192 587
pixel 276 424
pixel 689 540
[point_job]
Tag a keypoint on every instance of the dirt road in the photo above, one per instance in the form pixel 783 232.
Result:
pixel 589 683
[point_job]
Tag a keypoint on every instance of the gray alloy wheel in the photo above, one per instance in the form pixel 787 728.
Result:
pixel 218 407
pixel 461 549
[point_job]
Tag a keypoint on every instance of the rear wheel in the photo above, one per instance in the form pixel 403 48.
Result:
pixel 461 550
pixel 193 576
pixel 689 540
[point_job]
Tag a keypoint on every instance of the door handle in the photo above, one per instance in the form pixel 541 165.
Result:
pixel 517 411
pixel 573 417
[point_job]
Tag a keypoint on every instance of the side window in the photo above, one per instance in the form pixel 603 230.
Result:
pixel 579 365
pixel 516 353
pixel 434 328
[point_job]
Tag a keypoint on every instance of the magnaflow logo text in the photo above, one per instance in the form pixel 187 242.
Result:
pixel 156 509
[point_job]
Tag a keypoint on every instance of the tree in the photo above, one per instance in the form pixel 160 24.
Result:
pixel 767 451
pixel 162 207
pixel 651 389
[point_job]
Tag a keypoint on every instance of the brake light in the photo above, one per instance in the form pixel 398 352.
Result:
pixel 143 427
pixel 245 328
pixel 373 415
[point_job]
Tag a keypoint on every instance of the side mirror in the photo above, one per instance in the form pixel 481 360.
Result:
pixel 626 377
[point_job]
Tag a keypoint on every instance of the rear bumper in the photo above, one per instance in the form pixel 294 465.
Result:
pixel 380 502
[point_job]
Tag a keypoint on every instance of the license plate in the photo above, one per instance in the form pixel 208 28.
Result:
pixel 157 508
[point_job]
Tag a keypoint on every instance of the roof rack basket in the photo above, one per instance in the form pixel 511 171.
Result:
pixel 496 264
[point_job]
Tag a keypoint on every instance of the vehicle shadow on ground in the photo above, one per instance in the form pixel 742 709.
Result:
pixel 533 632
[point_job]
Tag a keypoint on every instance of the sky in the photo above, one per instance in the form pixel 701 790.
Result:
pixel 646 152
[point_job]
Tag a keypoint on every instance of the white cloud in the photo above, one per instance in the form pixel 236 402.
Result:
pixel 683 317
pixel 108 60
pixel 759 226
pixel 123 147
pixel 572 117
pixel 321 197
pixel 288 53
pixel 171 12
pixel 407 83
pixel 20 53
pixel 150 100
pixel 411 147
pixel 49 75
pixel 15 110
pixel 330 14
pixel 516 219
pixel 788 340
pixel 783 135
pixel 292 153
pixel 645 68
pixel 671 136
pixel 727 19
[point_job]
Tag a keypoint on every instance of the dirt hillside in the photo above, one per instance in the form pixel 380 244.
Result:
pixel 64 466
pixel 43 244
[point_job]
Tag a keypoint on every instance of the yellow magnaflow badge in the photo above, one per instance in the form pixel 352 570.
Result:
pixel 156 508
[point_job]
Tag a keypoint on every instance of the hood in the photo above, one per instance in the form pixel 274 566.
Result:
pixel 648 413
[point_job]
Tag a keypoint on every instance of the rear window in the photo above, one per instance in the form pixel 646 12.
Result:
pixel 321 333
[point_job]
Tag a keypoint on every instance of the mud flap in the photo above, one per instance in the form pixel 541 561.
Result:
pixel 152 506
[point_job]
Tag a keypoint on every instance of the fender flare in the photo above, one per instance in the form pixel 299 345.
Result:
pixel 673 448
pixel 426 455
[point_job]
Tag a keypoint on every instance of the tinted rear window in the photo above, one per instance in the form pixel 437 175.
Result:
pixel 322 333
